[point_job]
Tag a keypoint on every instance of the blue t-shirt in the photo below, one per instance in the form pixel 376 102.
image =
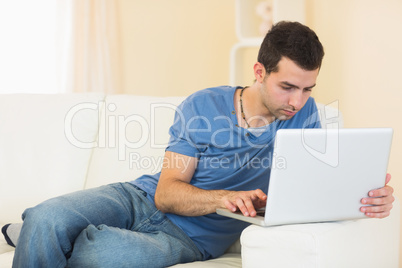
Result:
pixel 229 157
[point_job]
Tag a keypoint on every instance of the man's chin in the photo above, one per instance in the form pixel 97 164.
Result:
pixel 283 117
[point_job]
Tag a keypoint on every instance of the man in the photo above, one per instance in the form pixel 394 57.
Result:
pixel 219 141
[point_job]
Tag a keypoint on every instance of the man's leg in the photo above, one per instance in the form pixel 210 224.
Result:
pixel 158 243
pixel 51 228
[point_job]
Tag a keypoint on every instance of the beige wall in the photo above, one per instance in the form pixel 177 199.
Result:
pixel 175 47
pixel 179 46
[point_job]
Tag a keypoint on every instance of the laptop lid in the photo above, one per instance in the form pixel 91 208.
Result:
pixel 322 174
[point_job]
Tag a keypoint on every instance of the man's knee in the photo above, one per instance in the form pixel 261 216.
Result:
pixel 44 213
pixel 92 248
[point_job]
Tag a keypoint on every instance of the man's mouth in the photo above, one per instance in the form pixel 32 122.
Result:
pixel 289 113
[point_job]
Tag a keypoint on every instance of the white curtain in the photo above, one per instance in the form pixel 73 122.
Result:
pixel 88 44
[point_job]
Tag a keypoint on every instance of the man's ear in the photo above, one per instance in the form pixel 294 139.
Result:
pixel 259 72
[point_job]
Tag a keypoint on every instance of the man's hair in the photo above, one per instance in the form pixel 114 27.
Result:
pixel 292 40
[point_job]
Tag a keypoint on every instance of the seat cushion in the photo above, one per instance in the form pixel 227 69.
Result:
pixel 228 260
pixel 6 259
pixel 357 243
pixel 6 252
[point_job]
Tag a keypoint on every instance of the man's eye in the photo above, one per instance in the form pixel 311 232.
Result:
pixel 287 88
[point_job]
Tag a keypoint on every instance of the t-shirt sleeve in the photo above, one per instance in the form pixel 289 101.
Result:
pixel 183 132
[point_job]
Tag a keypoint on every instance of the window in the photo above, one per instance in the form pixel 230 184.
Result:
pixel 28 46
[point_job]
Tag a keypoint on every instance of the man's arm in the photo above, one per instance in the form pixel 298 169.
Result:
pixel 381 199
pixel 175 194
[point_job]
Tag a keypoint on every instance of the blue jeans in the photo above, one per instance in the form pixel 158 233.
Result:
pixel 110 226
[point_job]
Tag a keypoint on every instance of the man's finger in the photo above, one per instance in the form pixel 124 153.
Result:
pixel 378 200
pixel 384 191
pixel 260 194
pixel 229 205
pixel 378 215
pixel 250 207
pixel 240 204
pixel 387 178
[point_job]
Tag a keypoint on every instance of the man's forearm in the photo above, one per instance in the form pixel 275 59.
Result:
pixel 185 199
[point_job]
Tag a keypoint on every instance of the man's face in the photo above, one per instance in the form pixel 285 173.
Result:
pixel 285 92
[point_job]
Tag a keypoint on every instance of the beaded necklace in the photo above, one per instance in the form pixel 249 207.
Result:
pixel 241 107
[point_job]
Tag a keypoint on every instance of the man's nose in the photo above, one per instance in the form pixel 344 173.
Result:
pixel 296 99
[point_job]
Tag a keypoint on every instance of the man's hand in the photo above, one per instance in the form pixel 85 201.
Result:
pixel 381 199
pixel 247 201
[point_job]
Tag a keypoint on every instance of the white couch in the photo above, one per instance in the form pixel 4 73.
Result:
pixel 55 144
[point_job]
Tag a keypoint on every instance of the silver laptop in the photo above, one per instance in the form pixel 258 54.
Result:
pixel 320 175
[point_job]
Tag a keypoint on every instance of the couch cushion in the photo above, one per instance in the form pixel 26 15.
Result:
pixel 6 252
pixel 357 243
pixel 39 157
pixel 133 134
pixel 6 259
pixel 228 260
pixel 4 247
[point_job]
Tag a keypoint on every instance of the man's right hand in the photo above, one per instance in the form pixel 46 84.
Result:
pixel 245 201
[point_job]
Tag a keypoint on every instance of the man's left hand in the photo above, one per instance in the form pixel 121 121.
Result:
pixel 381 199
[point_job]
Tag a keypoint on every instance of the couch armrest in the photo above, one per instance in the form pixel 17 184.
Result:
pixel 357 243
